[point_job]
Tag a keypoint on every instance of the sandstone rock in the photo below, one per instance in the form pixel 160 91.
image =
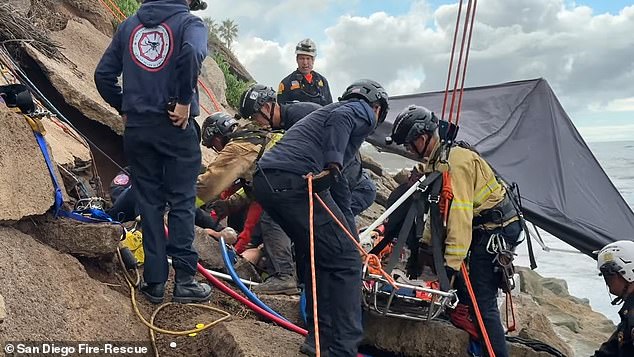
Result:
pixel 287 306
pixel 249 338
pixel 83 46
pixel 413 338
pixel 65 148
pixel 402 176
pixel 208 250
pixel 209 255
pixel 74 237
pixel 55 14
pixel 214 79
pixel 367 162
pixel 49 296
pixel 573 319
pixel 370 215
pixel 532 323
pixel 3 310
pixel 559 287
pixel 26 187
pixel 384 186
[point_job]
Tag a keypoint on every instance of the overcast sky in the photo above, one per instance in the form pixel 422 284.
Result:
pixel 584 49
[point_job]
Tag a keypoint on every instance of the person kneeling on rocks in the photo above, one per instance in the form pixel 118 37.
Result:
pixel 616 264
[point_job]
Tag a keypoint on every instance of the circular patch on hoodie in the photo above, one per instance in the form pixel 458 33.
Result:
pixel 121 180
pixel 151 47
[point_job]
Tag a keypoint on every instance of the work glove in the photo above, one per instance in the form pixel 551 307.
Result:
pixel 221 207
pixel 328 177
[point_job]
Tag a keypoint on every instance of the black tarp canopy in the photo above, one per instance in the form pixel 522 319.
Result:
pixel 522 130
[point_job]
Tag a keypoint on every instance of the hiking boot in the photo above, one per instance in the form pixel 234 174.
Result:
pixel 308 348
pixel 187 290
pixel 154 292
pixel 277 285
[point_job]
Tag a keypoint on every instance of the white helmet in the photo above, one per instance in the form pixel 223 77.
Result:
pixel 306 47
pixel 617 257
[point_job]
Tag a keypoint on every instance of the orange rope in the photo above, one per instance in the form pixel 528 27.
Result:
pixel 453 52
pixel 483 329
pixel 204 108
pixel 210 94
pixel 110 10
pixel 370 258
pixel 114 6
pixel 464 35
pixel 466 60
pixel 312 262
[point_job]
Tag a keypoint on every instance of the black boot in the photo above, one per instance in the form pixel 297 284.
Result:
pixel 154 292
pixel 188 290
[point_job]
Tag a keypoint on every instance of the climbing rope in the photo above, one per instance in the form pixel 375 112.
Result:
pixel 312 262
pixel 133 283
pixel 476 308
pixel 461 68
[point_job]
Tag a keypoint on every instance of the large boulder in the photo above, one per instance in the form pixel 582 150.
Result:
pixel 26 187
pixel 411 338
pixel 83 45
pixel 74 237
pixel 66 145
pixel 573 319
pixel 384 187
pixel 213 78
pixel 55 14
pixel 49 296
pixel 249 338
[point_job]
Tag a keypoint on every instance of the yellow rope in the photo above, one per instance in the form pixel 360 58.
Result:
pixel 150 325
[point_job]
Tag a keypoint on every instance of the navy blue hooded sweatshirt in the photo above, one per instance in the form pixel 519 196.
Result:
pixel 331 134
pixel 160 51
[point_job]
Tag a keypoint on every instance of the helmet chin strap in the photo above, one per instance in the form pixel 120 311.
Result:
pixel 624 295
pixel 421 153
pixel 270 117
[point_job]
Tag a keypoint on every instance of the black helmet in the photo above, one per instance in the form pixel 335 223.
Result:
pixel 412 122
pixel 254 98
pixel 197 5
pixel 217 124
pixel 371 92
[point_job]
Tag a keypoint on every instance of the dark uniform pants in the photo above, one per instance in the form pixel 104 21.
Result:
pixel 165 162
pixel 486 281
pixel 284 197
pixel 277 246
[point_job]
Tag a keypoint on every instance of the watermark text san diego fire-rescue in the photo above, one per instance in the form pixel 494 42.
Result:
pixel 65 349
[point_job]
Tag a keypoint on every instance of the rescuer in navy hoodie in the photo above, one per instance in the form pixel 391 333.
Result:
pixel 159 51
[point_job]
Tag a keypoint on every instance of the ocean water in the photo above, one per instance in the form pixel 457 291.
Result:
pixel 579 270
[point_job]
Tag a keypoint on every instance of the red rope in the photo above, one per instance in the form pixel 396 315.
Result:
pixel 453 51
pixel 204 108
pixel 210 94
pixel 114 6
pixel 464 36
pixel 109 9
pixel 483 330
pixel 466 60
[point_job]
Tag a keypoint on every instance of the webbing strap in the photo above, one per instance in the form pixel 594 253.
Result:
pixel 402 237
pixel 96 216
pixel 58 191
pixel 437 235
